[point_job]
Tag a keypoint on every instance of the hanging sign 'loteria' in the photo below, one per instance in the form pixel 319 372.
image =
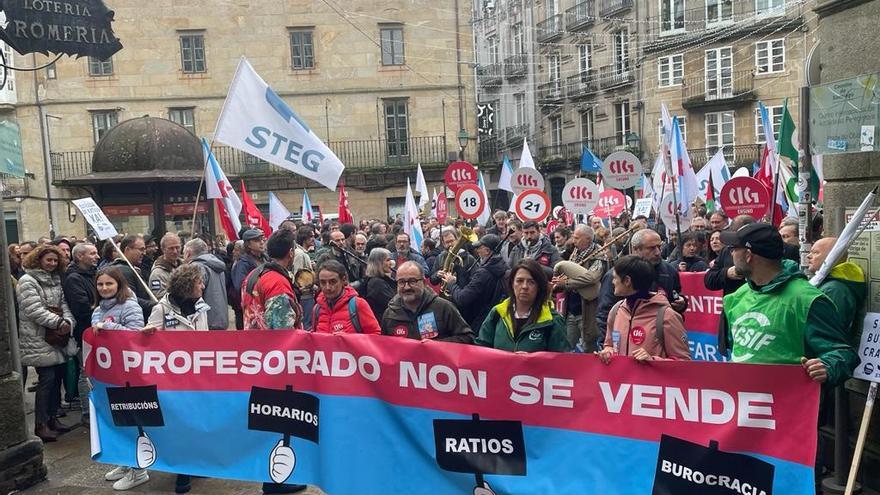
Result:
pixel 532 204
pixel 580 196
pixel 526 178
pixel 621 170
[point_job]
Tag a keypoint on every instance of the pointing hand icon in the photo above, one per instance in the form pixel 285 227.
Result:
pixel 483 490
pixel 146 451
pixel 282 460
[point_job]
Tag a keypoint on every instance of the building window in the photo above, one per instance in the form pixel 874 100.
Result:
pixel 770 56
pixel 719 73
pixel 682 124
pixel 621 51
pixel 719 11
pixel 585 58
pixel 670 70
pixel 720 132
pixel 518 47
pixel 99 67
pixel 392 45
pixel 103 121
pixel 302 49
pixel 671 15
pixel 51 71
pixel 775 116
pixel 184 117
pixel 519 103
pixel 621 122
pixel 10 77
pixel 397 127
pixel 769 7
pixel 587 125
pixel 192 53
pixel 492 49
pixel 556 131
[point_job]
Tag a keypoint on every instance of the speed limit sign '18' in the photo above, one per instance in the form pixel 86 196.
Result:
pixel 469 201
pixel 580 196
pixel 611 203
pixel 621 170
pixel 532 204
pixel 526 178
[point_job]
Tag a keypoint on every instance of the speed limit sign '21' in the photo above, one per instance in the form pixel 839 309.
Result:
pixel 470 201
pixel 580 196
pixel 532 204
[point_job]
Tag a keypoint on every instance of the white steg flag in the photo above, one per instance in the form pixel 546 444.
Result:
pixel 277 211
pixel 526 160
pixel 421 187
pixel 256 120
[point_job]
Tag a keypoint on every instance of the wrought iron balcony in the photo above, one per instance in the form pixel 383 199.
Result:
pixel 489 149
pixel 581 15
pixel 13 187
pixel 550 92
pixel 360 155
pixel 611 76
pixel 581 85
pixel 490 74
pixel 550 28
pixel 572 152
pixel 739 155
pixel 607 7
pixel 726 88
pixel 514 135
pixel 516 66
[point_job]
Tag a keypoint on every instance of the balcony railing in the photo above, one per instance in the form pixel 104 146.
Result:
pixel 614 75
pixel 583 84
pixel 516 65
pixel 359 155
pixel 607 7
pixel 13 187
pixel 739 155
pixel 702 90
pixel 550 92
pixel 601 147
pixel 489 149
pixel 581 15
pixel 490 73
pixel 550 28
pixel 514 135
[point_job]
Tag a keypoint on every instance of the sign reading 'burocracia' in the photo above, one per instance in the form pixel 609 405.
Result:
pixel 70 27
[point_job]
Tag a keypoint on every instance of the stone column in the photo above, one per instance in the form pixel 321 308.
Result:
pixel 21 453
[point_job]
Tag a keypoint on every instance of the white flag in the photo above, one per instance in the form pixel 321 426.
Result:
pixel 411 224
pixel 421 187
pixel 257 121
pixel 717 168
pixel 666 121
pixel 483 219
pixel 526 159
pixel 277 211
pixel 512 203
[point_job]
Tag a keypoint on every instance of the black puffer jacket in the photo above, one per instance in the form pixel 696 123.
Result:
pixel 483 291
pixel 79 292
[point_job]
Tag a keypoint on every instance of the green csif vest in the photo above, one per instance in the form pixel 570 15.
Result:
pixel 768 327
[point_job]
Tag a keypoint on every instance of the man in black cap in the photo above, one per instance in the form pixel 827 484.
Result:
pixel 777 316
pixel 253 255
pixel 486 285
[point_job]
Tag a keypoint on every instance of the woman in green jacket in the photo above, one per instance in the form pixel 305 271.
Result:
pixel 525 321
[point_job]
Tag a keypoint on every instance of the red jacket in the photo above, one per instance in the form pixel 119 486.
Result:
pixel 272 303
pixel 638 329
pixel 338 319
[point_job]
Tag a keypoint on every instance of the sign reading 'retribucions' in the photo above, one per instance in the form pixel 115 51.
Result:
pixel 70 27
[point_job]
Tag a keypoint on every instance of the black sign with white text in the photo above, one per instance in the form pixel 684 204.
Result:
pixel 284 411
pixel 135 406
pixel 685 467
pixel 480 447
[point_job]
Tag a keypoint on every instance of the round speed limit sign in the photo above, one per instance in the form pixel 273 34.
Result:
pixel 532 204
pixel 469 201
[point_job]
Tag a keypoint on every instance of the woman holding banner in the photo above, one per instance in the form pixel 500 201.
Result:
pixel 182 307
pixel 525 321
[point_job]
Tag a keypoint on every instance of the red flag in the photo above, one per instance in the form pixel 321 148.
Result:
pixel 765 177
pixel 344 212
pixel 253 217
pixel 225 221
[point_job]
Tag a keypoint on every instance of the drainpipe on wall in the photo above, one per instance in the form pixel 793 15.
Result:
pixel 44 142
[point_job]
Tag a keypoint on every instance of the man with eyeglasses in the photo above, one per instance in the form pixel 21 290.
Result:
pixel 417 313
pixel 647 245
pixel 133 249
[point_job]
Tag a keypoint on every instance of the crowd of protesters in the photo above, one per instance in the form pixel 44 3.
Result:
pixel 608 287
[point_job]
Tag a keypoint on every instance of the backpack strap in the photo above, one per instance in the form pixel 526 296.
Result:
pixel 316 312
pixel 353 314
pixel 612 315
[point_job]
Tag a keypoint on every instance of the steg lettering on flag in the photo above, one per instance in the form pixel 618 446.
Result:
pixel 257 121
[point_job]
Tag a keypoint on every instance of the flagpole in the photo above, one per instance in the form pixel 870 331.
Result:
pixel 201 183
pixel 775 189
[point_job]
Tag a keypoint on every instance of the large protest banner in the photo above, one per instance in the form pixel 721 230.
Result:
pixel 359 414
pixel 701 317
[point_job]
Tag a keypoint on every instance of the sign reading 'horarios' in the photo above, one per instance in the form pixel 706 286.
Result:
pixel 381 398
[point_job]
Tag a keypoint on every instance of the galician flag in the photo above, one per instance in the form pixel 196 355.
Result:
pixel 411 224
pixel 483 219
pixel 220 190
pixel 306 213
pixel 278 213
pixel 716 170
pixel 421 187
pixel 526 160
pixel 504 183
pixel 682 169
pixel 257 121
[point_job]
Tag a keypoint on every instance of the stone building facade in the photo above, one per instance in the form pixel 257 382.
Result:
pixel 385 84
